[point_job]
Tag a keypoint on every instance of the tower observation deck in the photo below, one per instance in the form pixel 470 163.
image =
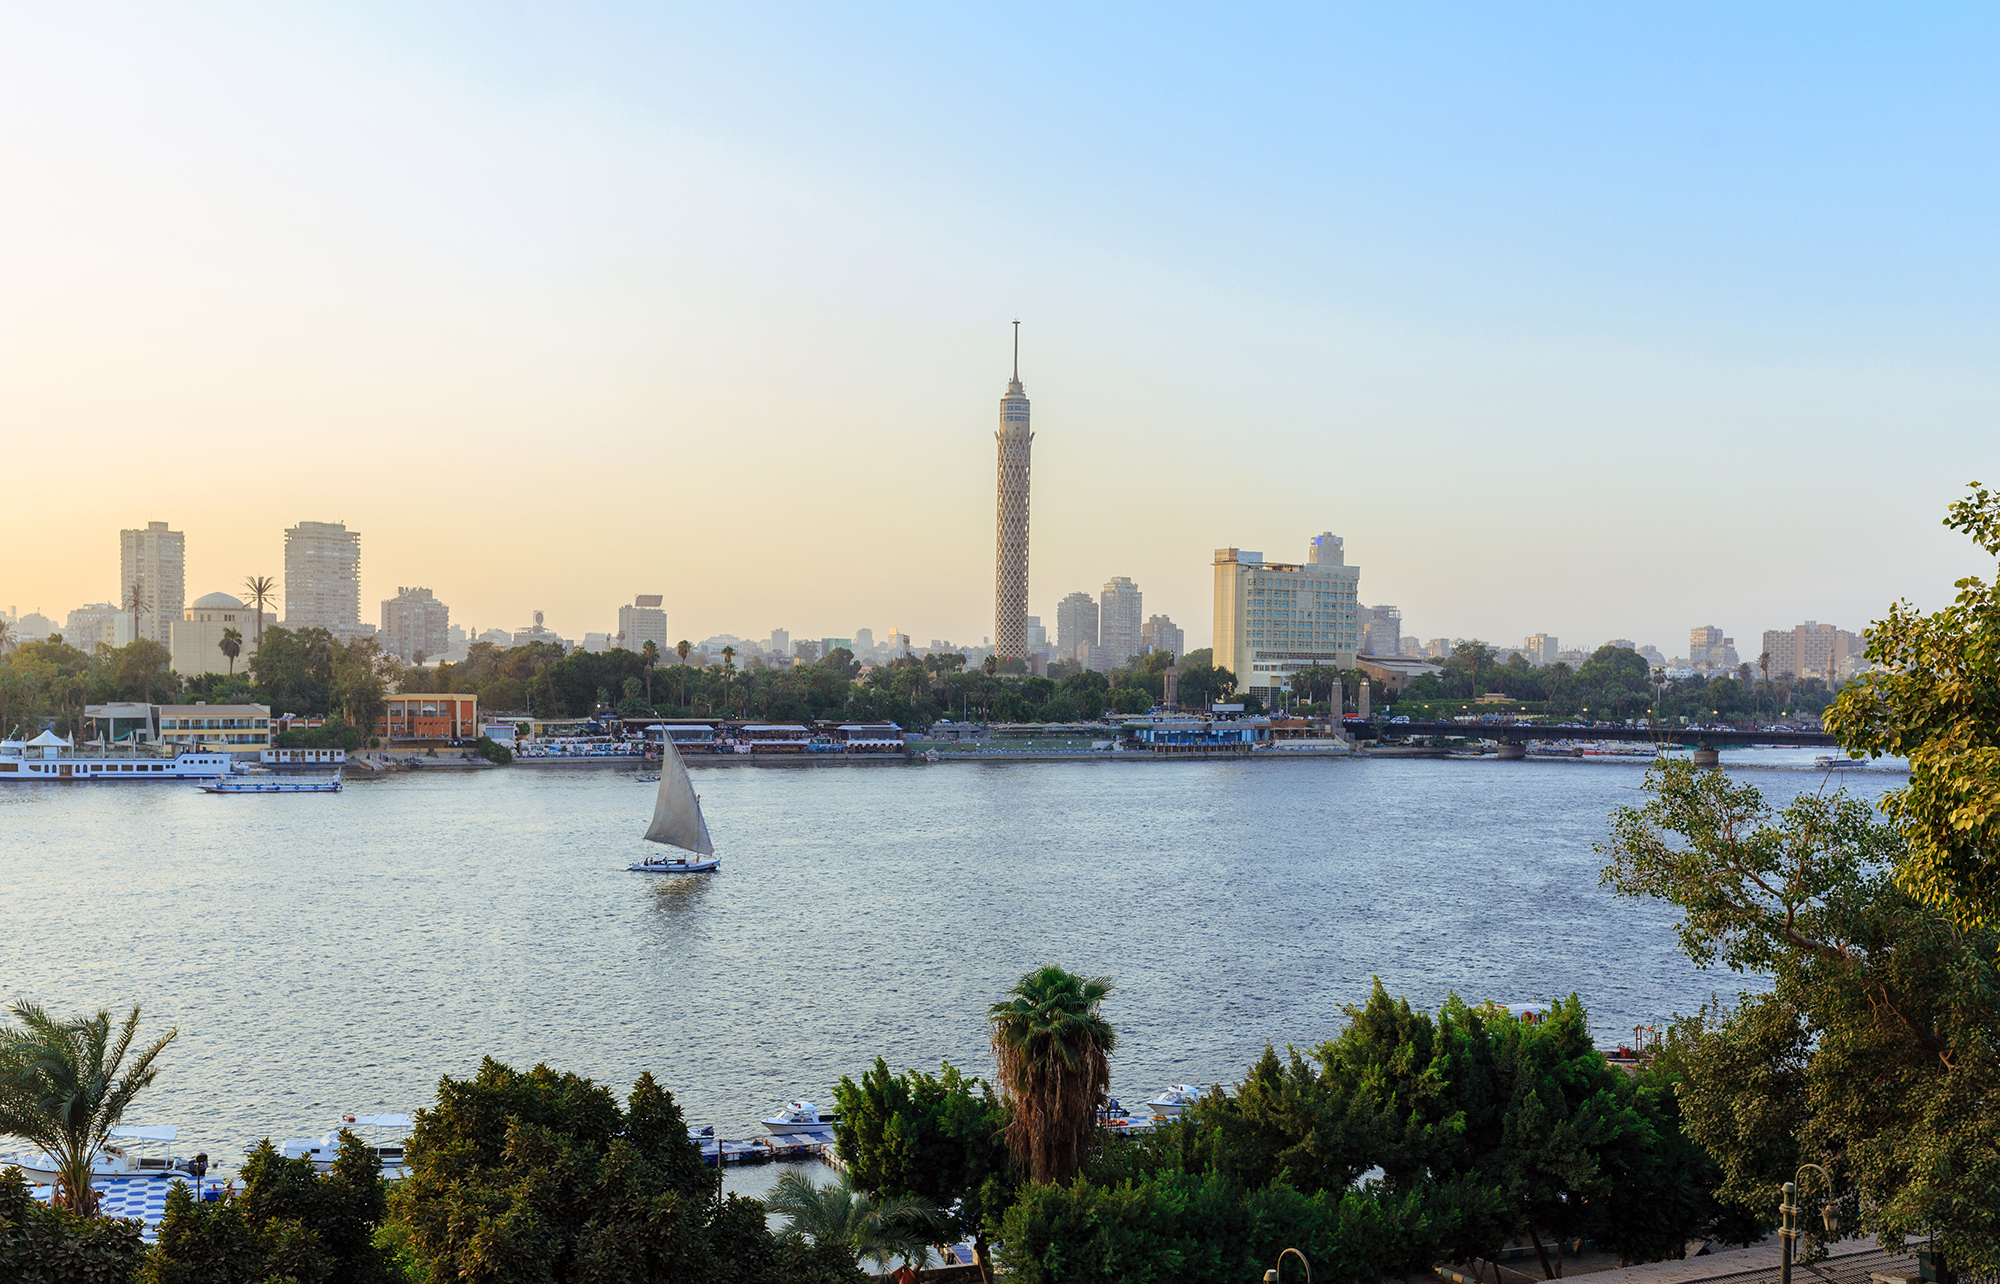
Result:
pixel 1010 581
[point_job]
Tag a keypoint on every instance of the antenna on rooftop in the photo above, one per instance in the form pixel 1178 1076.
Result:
pixel 1017 350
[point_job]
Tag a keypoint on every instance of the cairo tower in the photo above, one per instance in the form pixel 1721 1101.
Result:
pixel 1010 580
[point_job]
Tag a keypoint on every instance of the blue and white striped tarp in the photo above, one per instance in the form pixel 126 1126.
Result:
pixel 142 1197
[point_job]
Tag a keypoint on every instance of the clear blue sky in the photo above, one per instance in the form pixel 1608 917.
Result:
pixel 1599 321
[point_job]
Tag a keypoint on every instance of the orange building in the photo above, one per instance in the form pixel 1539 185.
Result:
pixel 418 716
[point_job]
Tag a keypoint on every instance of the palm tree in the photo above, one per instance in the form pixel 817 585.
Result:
pixel 6 636
pixel 1053 1050
pixel 681 649
pixel 137 603
pixel 881 1230
pixel 649 655
pixel 231 646
pixel 262 588
pixel 64 1085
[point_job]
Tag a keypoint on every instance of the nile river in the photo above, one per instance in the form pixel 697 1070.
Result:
pixel 328 954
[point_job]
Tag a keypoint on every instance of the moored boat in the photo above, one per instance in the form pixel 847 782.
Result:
pixel 124 1155
pixel 276 785
pixel 49 757
pixel 387 1137
pixel 1174 1101
pixel 800 1116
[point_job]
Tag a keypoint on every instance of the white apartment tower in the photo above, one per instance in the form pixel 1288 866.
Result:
pixel 1120 620
pixel 154 561
pixel 323 578
pixel 415 623
pixel 1010 580
pixel 1275 618
pixel 643 622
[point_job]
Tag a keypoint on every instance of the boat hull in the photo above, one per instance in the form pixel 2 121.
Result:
pixel 676 867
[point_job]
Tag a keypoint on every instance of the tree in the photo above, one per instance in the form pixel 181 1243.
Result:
pixel 1053 1051
pixel 649 655
pixel 290 1222
pixel 1934 697
pixel 231 646
pixel 1875 1051
pixel 940 1138
pixel 263 591
pixel 681 649
pixel 64 1084
pixel 47 1244
pixel 6 635
pixel 138 604
pixel 880 1229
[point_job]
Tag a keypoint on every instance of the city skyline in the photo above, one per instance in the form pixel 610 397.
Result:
pixel 1360 278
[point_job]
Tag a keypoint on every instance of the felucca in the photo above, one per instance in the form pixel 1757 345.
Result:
pixel 677 821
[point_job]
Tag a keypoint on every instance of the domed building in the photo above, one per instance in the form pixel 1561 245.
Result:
pixel 198 634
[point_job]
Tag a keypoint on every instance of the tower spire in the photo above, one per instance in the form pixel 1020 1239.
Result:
pixel 1017 351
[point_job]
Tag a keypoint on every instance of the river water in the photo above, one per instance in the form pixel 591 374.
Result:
pixel 337 953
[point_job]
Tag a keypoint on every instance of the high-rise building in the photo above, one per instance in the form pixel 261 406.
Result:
pixel 1076 624
pixel 1010 582
pixel 1160 633
pixel 643 622
pixel 1382 631
pixel 415 625
pixel 1121 617
pixel 1540 648
pixel 1705 647
pixel 323 578
pixel 1275 618
pixel 154 562
pixel 1038 637
pixel 781 642
pixel 864 640
pixel 1815 650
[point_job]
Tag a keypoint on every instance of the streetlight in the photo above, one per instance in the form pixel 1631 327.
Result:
pixel 1271 1276
pixel 1789 1211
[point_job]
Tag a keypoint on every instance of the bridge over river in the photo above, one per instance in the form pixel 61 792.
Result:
pixel 1514 737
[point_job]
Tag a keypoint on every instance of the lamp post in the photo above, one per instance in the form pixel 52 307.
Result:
pixel 1273 1275
pixel 1789 1210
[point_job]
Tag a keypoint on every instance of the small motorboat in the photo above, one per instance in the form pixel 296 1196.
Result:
pixel 324 1150
pixel 116 1158
pixel 1175 1100
pixel 276 785
pixel 1837 762
pixel 800 1116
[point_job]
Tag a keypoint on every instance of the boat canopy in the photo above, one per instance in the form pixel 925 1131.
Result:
pixel 385 1121
pixel 48 740
pixel 158 1132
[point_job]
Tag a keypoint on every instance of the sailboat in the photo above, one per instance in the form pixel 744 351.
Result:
pixel 677 821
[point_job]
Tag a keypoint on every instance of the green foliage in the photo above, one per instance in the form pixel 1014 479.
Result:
pixel 542 1177
pixel 1935 698
pixel 65 1083
pixel 493 751
pixel 1207 1229
pixel 940 1138
pixel 1875 1052
pixel 882 1228
pixel 45 1244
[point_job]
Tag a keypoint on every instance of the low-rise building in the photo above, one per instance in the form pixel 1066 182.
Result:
pixel 197 636
pixel 1393 672
pixel 236 729
pixel 104 622
pixel 430 716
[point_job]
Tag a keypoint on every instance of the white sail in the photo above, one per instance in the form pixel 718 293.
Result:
pixel 677 818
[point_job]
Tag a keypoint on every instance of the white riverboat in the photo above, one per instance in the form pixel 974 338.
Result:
pixel 800 1116
pixel 276 784
pixel 127 1154
pixel 677 823
pixel 386 1136
pixel 51 758
pixel 1172 1103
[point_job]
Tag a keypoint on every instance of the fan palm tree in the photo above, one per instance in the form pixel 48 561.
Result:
pixel 1053 1050
pixel 64 1084
pixel 231 646
pixel 881 1230
pixel 262 590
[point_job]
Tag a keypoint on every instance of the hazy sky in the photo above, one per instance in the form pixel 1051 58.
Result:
pixel 1604 323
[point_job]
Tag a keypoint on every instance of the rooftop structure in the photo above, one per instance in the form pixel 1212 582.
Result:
pixel 197 638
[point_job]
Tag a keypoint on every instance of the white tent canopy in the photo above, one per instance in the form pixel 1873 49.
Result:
pixel 385 1121
pixel 159 1132
pixel 48 740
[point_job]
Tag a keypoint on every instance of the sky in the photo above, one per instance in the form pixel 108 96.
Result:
pixel 1601 321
